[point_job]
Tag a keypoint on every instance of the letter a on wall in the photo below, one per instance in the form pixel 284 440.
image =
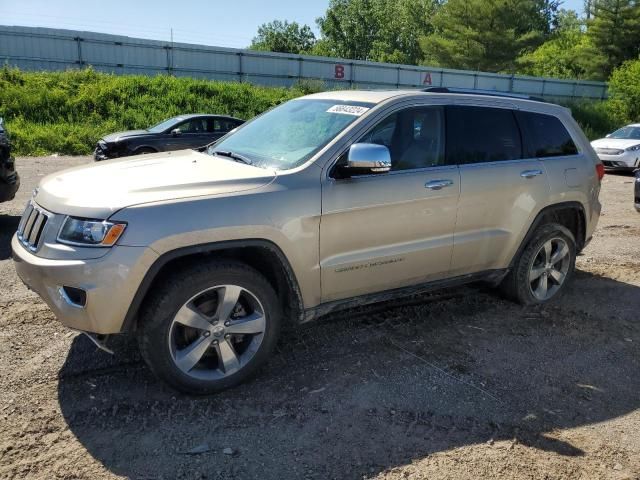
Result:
pixel 427 79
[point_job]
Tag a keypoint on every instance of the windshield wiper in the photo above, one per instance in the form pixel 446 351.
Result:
pixel 234 156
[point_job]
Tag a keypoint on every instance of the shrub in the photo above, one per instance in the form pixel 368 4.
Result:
pixel 593 117
pixel 624 93
pixel 67 112
pixel 308 86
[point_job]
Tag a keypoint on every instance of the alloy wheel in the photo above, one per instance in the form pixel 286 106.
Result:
pixel 217 332
pixel 549 268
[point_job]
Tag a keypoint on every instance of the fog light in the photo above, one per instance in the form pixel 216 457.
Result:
pixel 76 297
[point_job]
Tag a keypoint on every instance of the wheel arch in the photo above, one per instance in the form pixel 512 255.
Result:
pixel 571 215
pixel 262 255
pixel 145 147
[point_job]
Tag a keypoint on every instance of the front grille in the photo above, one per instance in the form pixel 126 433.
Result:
pixel 609 151
pixel 102 152
pixel 32 225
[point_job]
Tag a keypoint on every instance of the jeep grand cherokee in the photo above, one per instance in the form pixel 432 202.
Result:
pixel 324 202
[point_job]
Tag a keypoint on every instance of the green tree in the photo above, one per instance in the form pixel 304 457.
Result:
pixel 546 15
pixel 624 92
pixel 285 37
pixel 485 34
pixel 378 30
pixel 569 53
pixel 349 27
pixel 614 30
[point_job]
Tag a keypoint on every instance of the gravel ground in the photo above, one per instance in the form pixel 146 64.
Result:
pixel 459 384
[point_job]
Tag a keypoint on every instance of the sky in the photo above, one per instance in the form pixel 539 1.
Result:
pixel 228 23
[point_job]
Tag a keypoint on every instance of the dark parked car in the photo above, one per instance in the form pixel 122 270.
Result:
pixel 9 179
pixel 177 133
pixel 637 190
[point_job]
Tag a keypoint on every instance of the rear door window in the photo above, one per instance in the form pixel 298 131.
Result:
pixel 221 125
pixel 482 134
pixel 545 136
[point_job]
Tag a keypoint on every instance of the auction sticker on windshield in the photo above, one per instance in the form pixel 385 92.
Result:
pixel 348 110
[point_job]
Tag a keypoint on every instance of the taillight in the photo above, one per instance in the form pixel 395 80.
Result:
pixel 600 171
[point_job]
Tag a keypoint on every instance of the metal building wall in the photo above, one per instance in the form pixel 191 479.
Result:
pixel 51 49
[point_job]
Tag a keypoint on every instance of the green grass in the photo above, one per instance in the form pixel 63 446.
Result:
pixel 67 112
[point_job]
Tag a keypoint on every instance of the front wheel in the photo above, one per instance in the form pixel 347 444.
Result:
pixel 543 268
pixel 145 151
pixel 210 327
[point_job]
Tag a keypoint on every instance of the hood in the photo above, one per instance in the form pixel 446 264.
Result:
pixel 620 143
pixel 116 137
pixel 100 189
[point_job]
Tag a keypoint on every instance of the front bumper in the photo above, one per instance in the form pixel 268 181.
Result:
pixel 100 154
pixel 106 152
pixel 9 187
pixel 110 283
pixel 626 162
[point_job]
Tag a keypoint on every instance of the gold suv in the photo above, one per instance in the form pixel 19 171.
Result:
pixel 324 202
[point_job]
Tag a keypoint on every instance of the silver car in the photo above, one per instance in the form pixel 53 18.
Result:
pixel 328 201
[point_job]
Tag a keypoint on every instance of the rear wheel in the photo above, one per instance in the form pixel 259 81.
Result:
pixel 544 266
pixel 210 327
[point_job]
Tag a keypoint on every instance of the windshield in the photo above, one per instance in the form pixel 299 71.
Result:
pixel 291 133
pixel 164 125
pixel 631 133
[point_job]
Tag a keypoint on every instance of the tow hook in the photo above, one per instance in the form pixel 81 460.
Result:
pixel 100 341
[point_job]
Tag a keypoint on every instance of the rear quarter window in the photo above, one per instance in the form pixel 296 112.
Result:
pixel 545 136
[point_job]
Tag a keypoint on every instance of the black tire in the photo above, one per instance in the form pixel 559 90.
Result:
pixel 517 285
pixel 158 314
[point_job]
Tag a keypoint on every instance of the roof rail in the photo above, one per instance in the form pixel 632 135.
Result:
pixel 491 93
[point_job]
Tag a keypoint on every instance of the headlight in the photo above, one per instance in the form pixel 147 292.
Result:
pixel 102 144
pixel 90 233
pixel 635 148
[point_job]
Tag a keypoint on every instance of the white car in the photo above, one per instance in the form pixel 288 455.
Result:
pixel 620 150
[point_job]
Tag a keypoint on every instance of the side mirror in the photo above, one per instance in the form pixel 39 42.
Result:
pixel 368 158
pixel 607 135
pixel 176 132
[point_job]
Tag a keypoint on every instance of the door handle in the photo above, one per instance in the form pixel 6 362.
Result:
pixel 530 173
pixel 438 184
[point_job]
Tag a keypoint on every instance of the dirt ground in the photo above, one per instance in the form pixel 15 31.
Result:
pixel 460 384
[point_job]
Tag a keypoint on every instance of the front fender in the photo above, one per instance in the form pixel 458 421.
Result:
pixel 285 214
pixel 209 248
